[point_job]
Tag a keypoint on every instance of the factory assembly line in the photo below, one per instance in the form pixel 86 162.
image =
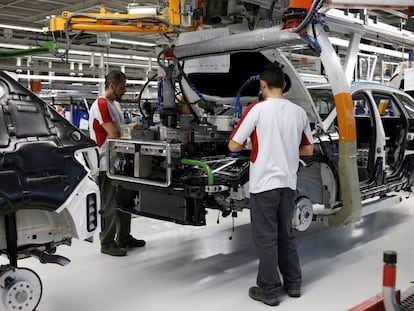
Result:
pixel 177 160
pixel 180 166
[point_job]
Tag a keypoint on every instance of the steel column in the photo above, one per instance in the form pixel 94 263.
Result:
pixel 352 56
pixel 11 237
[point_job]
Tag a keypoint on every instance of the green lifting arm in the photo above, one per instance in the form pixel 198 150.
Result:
pixel 45 48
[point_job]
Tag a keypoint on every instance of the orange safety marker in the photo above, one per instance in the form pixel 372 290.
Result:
pixel 388 281
pixel 389 299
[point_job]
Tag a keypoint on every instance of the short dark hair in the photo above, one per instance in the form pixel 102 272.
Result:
pixel 273 75
pixel 115 77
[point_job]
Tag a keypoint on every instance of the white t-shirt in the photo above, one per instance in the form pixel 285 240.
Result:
pixel 277 128
pixel 103 110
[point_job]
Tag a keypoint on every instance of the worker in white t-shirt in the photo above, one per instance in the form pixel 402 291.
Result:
pixel 279 132
pixel 106 120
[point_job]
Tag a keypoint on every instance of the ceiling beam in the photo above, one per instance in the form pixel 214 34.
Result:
pixel 136 73
pixel 74 47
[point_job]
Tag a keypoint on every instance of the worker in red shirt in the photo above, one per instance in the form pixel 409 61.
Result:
pixel 279 132
pixel 106 120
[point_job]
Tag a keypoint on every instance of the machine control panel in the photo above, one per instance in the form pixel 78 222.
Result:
pixel 154 150
pixel 124 148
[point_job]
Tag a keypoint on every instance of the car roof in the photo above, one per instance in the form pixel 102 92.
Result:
pixel 356 86
pixel 362 85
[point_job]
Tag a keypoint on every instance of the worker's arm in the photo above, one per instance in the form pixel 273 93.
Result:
pixel 235 146
pixel 306 150
pixel 112 130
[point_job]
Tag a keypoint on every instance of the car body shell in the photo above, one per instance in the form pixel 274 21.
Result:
pixel 384 129
pixel 46 169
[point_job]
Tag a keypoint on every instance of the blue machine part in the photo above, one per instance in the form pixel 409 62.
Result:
pixel 236 105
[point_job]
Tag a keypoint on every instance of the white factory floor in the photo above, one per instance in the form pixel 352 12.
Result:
pixel 199 268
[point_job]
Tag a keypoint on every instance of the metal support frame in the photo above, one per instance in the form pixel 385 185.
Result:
pixel 368 3
pixel 373 206
pixel 11 237
pixel 352 56
pixel 374 64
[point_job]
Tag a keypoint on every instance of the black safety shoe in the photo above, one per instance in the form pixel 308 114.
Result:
pixel 113 250
pixel 256 294
pixel 131 242
pixel 293 292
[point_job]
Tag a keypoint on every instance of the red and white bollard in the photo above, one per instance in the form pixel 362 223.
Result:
pixel 388 281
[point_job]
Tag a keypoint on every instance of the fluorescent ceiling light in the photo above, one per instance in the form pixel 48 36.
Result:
pixel 74 79
pixel 142 10
pixel 97 54
pixel 14 46
pixel 132 42
pixel 58 78
pixel 86 53
pixel 21 28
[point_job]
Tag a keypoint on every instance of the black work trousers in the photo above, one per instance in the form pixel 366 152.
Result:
pixel 115 224
pixel 271 224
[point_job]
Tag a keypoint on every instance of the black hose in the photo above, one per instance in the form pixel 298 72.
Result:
pixel 195 115
pixel 181 70
pixel 159 62
pixel 184 75
pixel 141 91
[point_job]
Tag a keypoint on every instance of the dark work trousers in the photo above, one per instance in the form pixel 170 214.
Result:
pixel 271 224
pixel 115 225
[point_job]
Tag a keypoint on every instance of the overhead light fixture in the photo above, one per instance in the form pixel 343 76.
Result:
pixel 75 79
pixel 14 46
pixel 15 27
pixel 132 42
pixel 110 55
pixel 134 8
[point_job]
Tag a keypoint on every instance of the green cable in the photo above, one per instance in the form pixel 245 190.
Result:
pixel 205 166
